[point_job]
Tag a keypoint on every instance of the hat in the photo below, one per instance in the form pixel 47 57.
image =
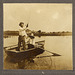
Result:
pixel 21 23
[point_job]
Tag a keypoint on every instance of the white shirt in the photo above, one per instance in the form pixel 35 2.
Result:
pixel 22 32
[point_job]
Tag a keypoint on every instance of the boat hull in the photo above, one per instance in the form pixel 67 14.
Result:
pixel 17 56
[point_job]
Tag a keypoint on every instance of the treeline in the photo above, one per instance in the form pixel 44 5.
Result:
pixel 14 33
pixel 38 33
pixel 54 34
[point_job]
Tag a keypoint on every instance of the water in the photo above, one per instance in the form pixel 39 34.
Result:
pixel 58 44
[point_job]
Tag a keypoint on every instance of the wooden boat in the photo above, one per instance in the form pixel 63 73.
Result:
pixel 30 53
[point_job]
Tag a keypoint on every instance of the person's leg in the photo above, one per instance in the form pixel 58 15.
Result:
pixel 19 43
pixel 23 42
pixel 33 41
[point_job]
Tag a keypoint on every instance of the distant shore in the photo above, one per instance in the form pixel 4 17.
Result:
pixel 38 33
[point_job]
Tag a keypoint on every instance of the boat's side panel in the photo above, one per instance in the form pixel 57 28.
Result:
pixel 18 56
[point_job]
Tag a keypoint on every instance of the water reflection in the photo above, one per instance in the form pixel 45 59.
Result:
pixel 58 44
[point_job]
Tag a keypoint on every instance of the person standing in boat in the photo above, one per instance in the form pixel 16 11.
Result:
pixel 22 36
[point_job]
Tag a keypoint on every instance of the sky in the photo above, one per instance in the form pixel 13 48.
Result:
pixel 47 17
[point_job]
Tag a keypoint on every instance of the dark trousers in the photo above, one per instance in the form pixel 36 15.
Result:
pixel 21 39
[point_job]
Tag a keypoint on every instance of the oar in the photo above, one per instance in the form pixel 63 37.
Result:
pixel 54 54
pixel 43 56
pixel 10 46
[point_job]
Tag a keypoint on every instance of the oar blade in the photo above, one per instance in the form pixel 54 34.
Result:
pixel 54 54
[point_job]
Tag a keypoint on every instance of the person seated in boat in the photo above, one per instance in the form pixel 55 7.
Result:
pixel 22 36
pixel 31 40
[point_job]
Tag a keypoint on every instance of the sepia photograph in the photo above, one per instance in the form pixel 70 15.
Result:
pixel 37 36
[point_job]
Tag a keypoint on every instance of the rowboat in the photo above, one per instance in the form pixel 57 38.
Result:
pixel 23 56
pixel 29 54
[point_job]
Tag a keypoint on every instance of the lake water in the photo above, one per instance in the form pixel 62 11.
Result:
pixel 58 44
